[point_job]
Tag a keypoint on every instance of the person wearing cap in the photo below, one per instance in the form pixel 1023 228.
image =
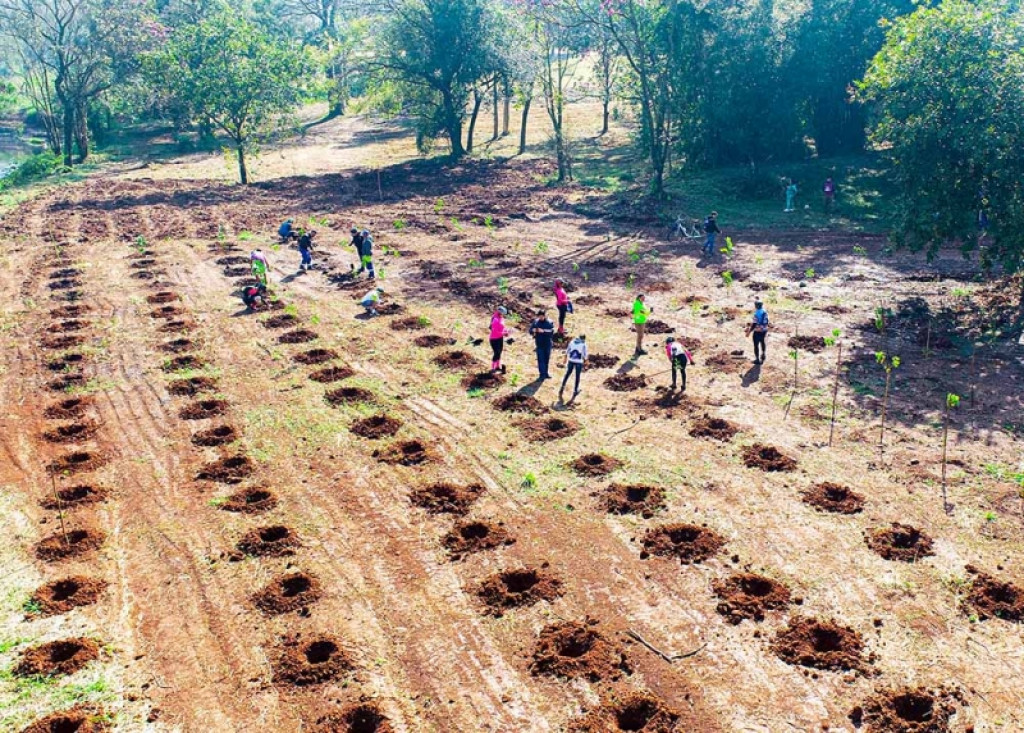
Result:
pixel 286 231
pixel 306 249
pixel 759 326
pixel 357 243
pixel 575 357
pixel 371 300
pixel 498 334
pixel 562 303
pixel 679 357
pixel 543 330
pixel 641 312
pixel 711 230
pixel 366 254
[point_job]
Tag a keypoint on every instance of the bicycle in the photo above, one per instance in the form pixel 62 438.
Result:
pixel 686 228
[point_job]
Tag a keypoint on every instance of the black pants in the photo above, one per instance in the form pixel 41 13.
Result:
pixel 760 350
pixel 572 366
pixel 543 359
pixel 679 364
pixel 562 310
pixel 497 346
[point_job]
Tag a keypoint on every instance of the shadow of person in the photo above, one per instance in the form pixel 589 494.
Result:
pixel 753 374
pixel 289 278
pixel 531 389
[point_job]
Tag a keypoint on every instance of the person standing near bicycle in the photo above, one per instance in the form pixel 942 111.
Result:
pixel 711 231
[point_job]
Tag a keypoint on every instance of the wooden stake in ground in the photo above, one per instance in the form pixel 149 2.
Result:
pixel 60 509
pixel 952 401
pixel 835 394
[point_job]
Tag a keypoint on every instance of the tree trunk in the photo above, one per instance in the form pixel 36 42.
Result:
pixel 478 99
pixel 507 110
pixel 243 173
pixel 494 103
pixel 522 129
pixel 82 133
pixel 69 133
pixel 604 118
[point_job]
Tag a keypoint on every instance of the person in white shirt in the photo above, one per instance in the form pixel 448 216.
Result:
pixel 576 357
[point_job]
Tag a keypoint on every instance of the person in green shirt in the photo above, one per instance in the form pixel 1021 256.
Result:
pixel 641 311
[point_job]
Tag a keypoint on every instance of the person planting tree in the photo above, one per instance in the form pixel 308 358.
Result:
pixel 679 358
pixel 759 326
pixel 357 244
pixel 371 300
pixel 575 358
pixel 641 312
pixel 497 340
pixel 286 231
pixel 366 254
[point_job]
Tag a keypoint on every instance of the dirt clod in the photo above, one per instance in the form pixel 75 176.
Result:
pixel 203 409
pixel 431 341
pixel 219 435
pixel 747 595
pixel 713 427
pixel 69 311
pixel 62 657
pixel 68 381
pixel 405 453
pixel 636 711
pixel 470 536
pixel 176 326
pixel 287 593
pixel 72 432
pixel 60 343
pixel 70 408
pixel 273 541
pixel 65 362
pixel 993 598
pixel 813 344
pixel 519 402
pixel 192 386
pixel 77 462
pixel 282 320
pixel 767 458
pixel 310 661
pixel 60 596
pixel 250 501
pixel 658 327
pixel 908 710
pixel 632 499
pixel 376 426
pixel 483 380
pixel 409 323
pixel 689 542
pixel 625 382
pixel 160 298
pixel 595 464
pixel 168 311
pixel 446 498
pixel 77 542
pixel 315 356
pixel 227 470
pixel 819 643
pixel 363 717
pixel 176 346
pixel 332 374
pixel 519 587
pixel 79 719
pixel 456 360
pixel 72 496
pixel 70 326
pixel 180 363
pixel 349 396
pixel 578 650
pixel 544 429
pixel 834 498
pixel 899 542
pixel 298 336
pixel 602 361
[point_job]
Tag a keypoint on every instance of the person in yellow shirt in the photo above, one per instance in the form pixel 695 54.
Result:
pixel 641 311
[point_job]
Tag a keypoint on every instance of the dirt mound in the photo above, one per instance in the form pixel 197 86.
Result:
pixel 626 382
pixel 637 711
pixel 992 598
pixel 405 453
pixel 349 396
pixel 713 427
pixel 59 343
pixel 298 336
pixel 363 717
pixel 456 360
pixel 220 435
pixel 315 356
pixel 163 297
pixel 746 595
pixel 578 650
pixel 287 593
pixel 63 273
pixel 65 284
pixel 77 462
pixel 232 260
pixel 310 661
pixel 544 429
pixel 72 496
pixel 203 409
pixel 617 312
pixel 282 320
pixel 65 362
pixel 520 587
pixel 236 271
pixel 227 470
pixel 68 381
pixel 656 327
pixel 813 344
pixel 834 498
pixel 391 309
pixel 446 498
pixel 146 275
pixel 725 363
pixel 332 374
pixel 376 426
pixel 192 386
pixel 177 346
pixel 518 402
pixel 77 542
pixel 632 499
pixel 483 380
pixel 474 536
pixel 689 542
pixel 767 458
pixel 181 363
pixel 250 501
pixel 143 263
pixel 79 719
pixel 431 341
pixel 69 311
pixel 908 710
pixel 60 596
pixel 409 323
pixel 69 408
pixel 177 326
pixel 273 541
pixel 602 361
pixel 54 658
pixel 72 432
pixel 167 311
pixel 595 464
pixel 899 542
pixel 69 326
pixel 813 642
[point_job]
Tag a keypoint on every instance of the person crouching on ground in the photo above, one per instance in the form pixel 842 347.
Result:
pixel 679 358
pixel 498 334
pixel 575 357
pixel 371 300
pixel 543 330
pixel 254 296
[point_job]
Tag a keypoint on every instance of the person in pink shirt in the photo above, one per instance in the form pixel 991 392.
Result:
pixel 562 303
pixel 498 334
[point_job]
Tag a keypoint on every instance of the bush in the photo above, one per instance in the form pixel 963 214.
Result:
pixel 32 168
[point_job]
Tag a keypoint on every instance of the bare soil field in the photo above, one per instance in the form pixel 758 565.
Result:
pixel 305 518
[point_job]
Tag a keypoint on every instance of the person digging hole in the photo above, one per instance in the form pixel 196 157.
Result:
pixel 679 357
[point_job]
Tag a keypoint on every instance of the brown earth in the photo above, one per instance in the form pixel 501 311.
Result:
pixel 175 326
pixel 483 380
pixel 469 536
pixel 272 541
pixel 748 596
pixel 993 598
pixel 192 386
pixel 405 453
pixel 66 382
pixel 595 464
pixel 634 711
pixel 252 500
pixel 75 543
pixel 332 374
pixel 77 462
pixel 545 429
pixel 315 356
pixel 602 361
pixel 203 409
pixel 767 458
pixel 310 660
pixel 227 470
pixel 409 323
pixel 165 296
pixel 713 427
pixel 632 499
pixel 79 719
pixel 688 542
pixel 832 497
pixel 70 311
pixel 518 587
pixel 59 343
pixel 349 396
pixel 363 717
pixel 72 496
pixel 65 594
pixel 177 346
pixel 181 363
pixel 908 710
pixel 626 382
pixel 813 344
pixel 219 435
pixel 571 649
pixel 431 341
pixel 298 336
pixel 68 326
pixel 287 593
pixel 519 402
pixel 71 432
pixel 820 643
pixel 899 542
pixel 70 408
pixel 376 426
pixel 56 658
pixel 456 360
pixel 446 498
pixel 65 362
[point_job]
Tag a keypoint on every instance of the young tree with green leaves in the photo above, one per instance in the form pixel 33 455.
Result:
pixel 232 72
